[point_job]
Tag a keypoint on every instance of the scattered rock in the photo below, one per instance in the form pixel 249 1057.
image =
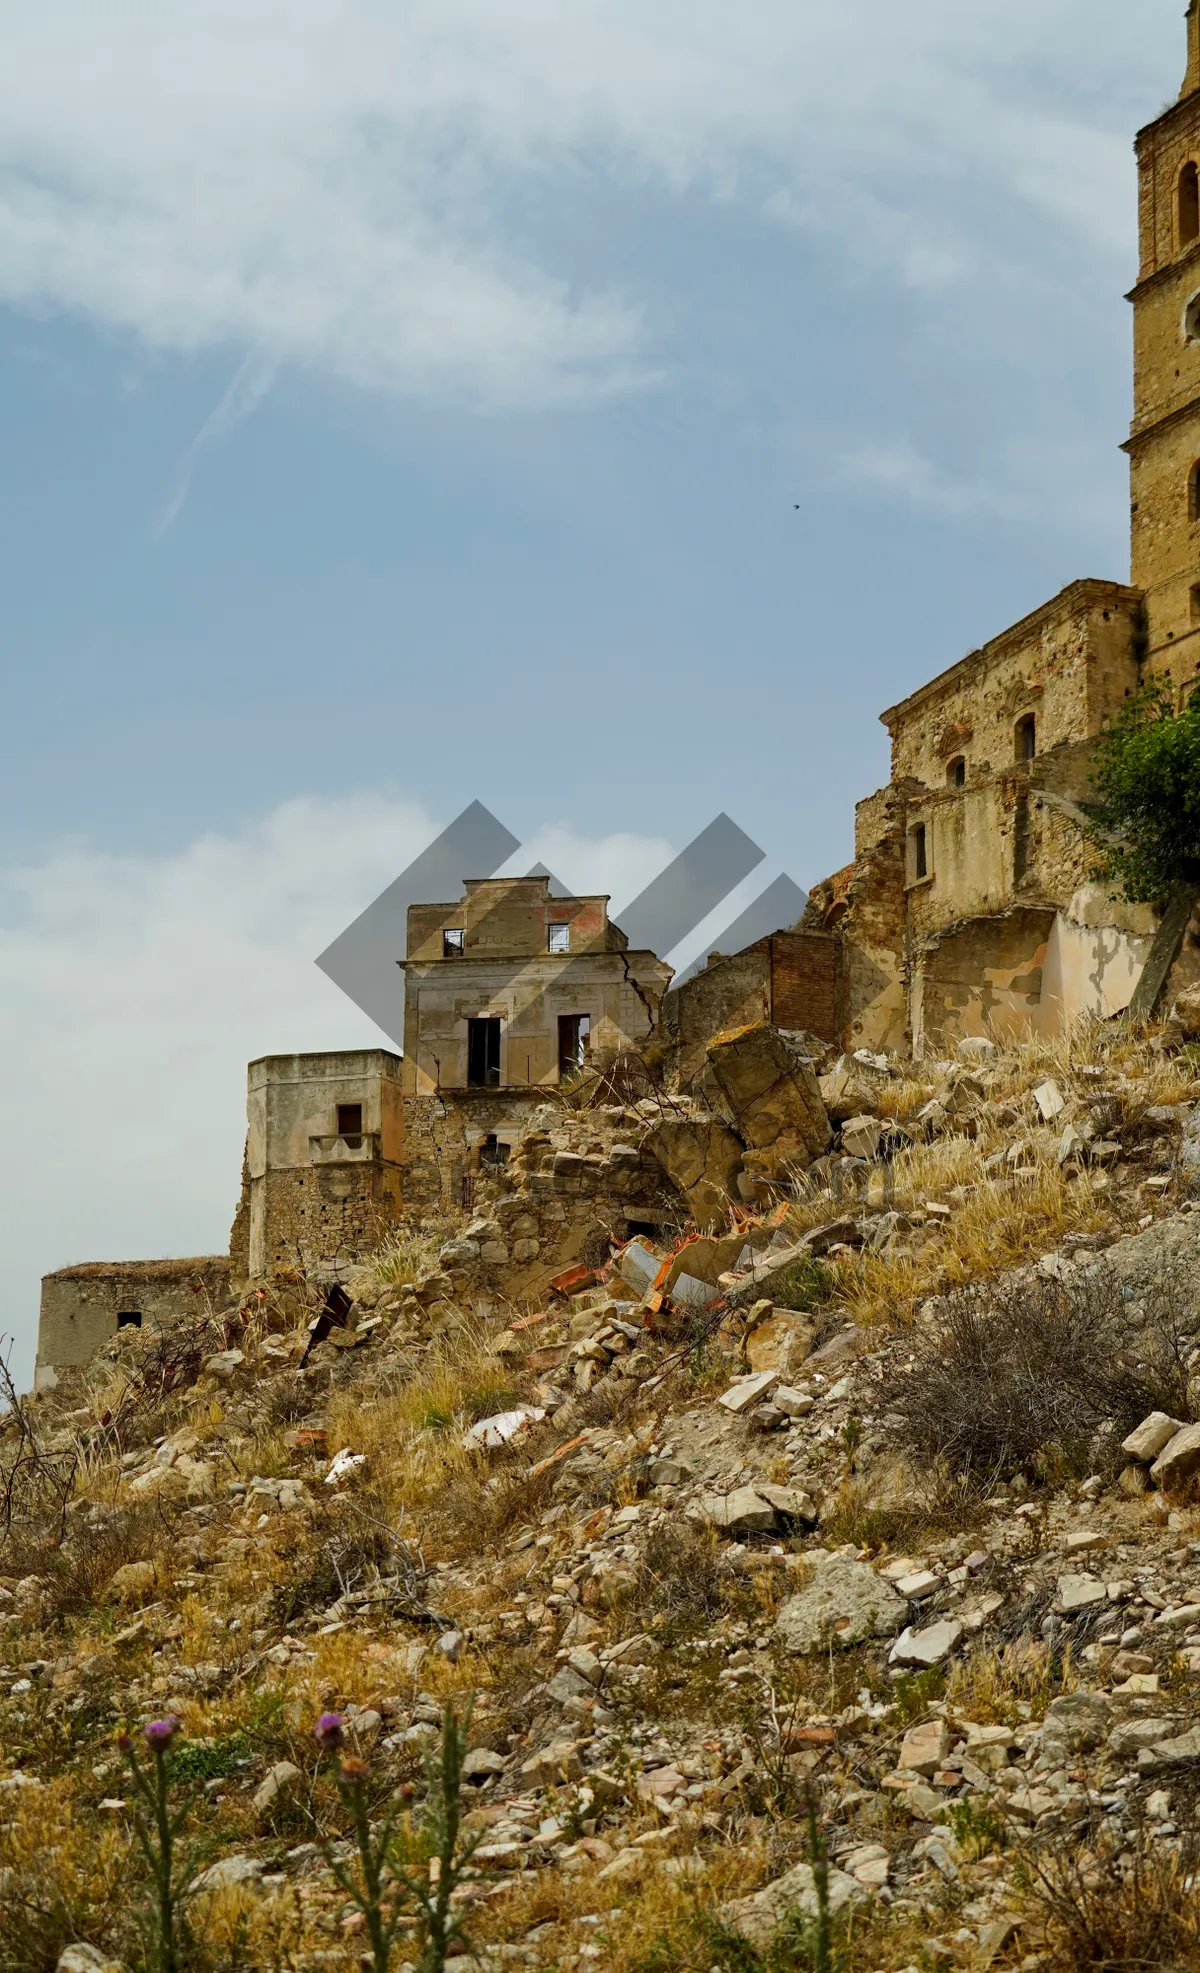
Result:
pixel 845 1603
pixel 759 1918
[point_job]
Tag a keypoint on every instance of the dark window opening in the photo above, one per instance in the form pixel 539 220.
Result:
pixel 1195 602
pixel 920 854
pixel 643 1226
pixel 483 1053
pixel 1194 493
pixel 1026 737
pixel 560 938
pixel 452 944
pixel 1022 840
pixel 1189 205
pixel 956 773
pixel 493 1152
pixel 129 1318
pixel 573 1031
pixel 349 1120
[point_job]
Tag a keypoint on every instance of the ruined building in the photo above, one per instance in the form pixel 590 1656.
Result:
pixel 968 908
pixel 509 988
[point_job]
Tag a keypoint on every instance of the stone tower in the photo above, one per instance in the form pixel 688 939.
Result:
pixel 324 1152
pixel 1164 442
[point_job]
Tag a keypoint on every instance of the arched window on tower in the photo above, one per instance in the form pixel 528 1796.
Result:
pixel 1189 205
pixel 1025 735
pixel 1194 492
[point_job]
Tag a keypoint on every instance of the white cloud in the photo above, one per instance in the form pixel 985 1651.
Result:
pixel 134 990
pixel 354 186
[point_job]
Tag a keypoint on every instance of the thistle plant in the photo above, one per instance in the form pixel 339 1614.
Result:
pixel 406 1866
pixel 157 1832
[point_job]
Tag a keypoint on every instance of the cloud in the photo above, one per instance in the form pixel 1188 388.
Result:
pixel 250 383
pixel 134 990
pixel 394 195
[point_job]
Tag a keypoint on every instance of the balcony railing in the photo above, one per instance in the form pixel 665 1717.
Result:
pixel 360 1149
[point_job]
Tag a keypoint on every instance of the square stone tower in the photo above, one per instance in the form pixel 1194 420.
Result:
pixel 1164 442
pixel 324 1147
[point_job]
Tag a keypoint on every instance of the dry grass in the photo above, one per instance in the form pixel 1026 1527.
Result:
pixel 63 1877
pixel 990 1686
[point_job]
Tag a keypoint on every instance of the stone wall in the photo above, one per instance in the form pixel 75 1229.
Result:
pixel 1164 441
pixel 82 1307
pixel 313 1190
pixel 792 979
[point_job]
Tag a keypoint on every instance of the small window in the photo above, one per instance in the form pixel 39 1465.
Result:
pixel 452 943
pixel 956 773
pixel 493 1152
pixel 1025 734
pixel 920 853
pixel 349 1122
pixel 1189 205
pixel 1194 493
pixel 129 1318
pixel 1195 602
pixel 560 938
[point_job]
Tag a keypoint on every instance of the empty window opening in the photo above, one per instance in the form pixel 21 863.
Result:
pixel 1191 321
pixel 452 943
pixel 1189 205
pixel 493 1152
pixel 643 1226
pixel 129 1318
pixel 483 1053
pixel 349 1120
pixel 920 853
pixel 1022 840
pixel 1026 737
pixel 573 1032
pixel 1195 602
pixel 956 773
pixel 560 938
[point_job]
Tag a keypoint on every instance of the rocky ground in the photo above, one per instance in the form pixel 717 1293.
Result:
pixel 858 1525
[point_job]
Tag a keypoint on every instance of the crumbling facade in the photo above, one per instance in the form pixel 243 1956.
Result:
pixel 969 907
pixel 510 988
pixel 791 979
pixel 324 1154
pixel 82 1307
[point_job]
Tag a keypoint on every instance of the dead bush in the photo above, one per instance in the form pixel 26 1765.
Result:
pixel 1022 1378
pixel 681 1578
pixel 1119 1907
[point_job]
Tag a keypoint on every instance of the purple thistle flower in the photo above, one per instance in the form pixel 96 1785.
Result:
pixel 160 1733
pixel 330 1732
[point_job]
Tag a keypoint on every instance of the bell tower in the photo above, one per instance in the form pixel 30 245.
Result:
pixel 1164 441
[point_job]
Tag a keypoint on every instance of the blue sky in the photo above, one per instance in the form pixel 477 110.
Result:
pixel 600 409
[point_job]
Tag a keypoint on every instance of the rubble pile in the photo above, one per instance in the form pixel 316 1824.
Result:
pixel 660 1516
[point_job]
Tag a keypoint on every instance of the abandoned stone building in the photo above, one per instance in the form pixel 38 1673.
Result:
pixel 509 988
pixel 324 1155
pixel 82 1307
pixel 968 907
pixel 792 979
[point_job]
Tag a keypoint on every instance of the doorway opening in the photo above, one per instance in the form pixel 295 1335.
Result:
pixel 483 1053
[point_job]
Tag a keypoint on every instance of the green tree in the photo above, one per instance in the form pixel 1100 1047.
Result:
pixel 1143 818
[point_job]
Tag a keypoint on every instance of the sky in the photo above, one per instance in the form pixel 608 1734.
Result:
pixel 602 409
